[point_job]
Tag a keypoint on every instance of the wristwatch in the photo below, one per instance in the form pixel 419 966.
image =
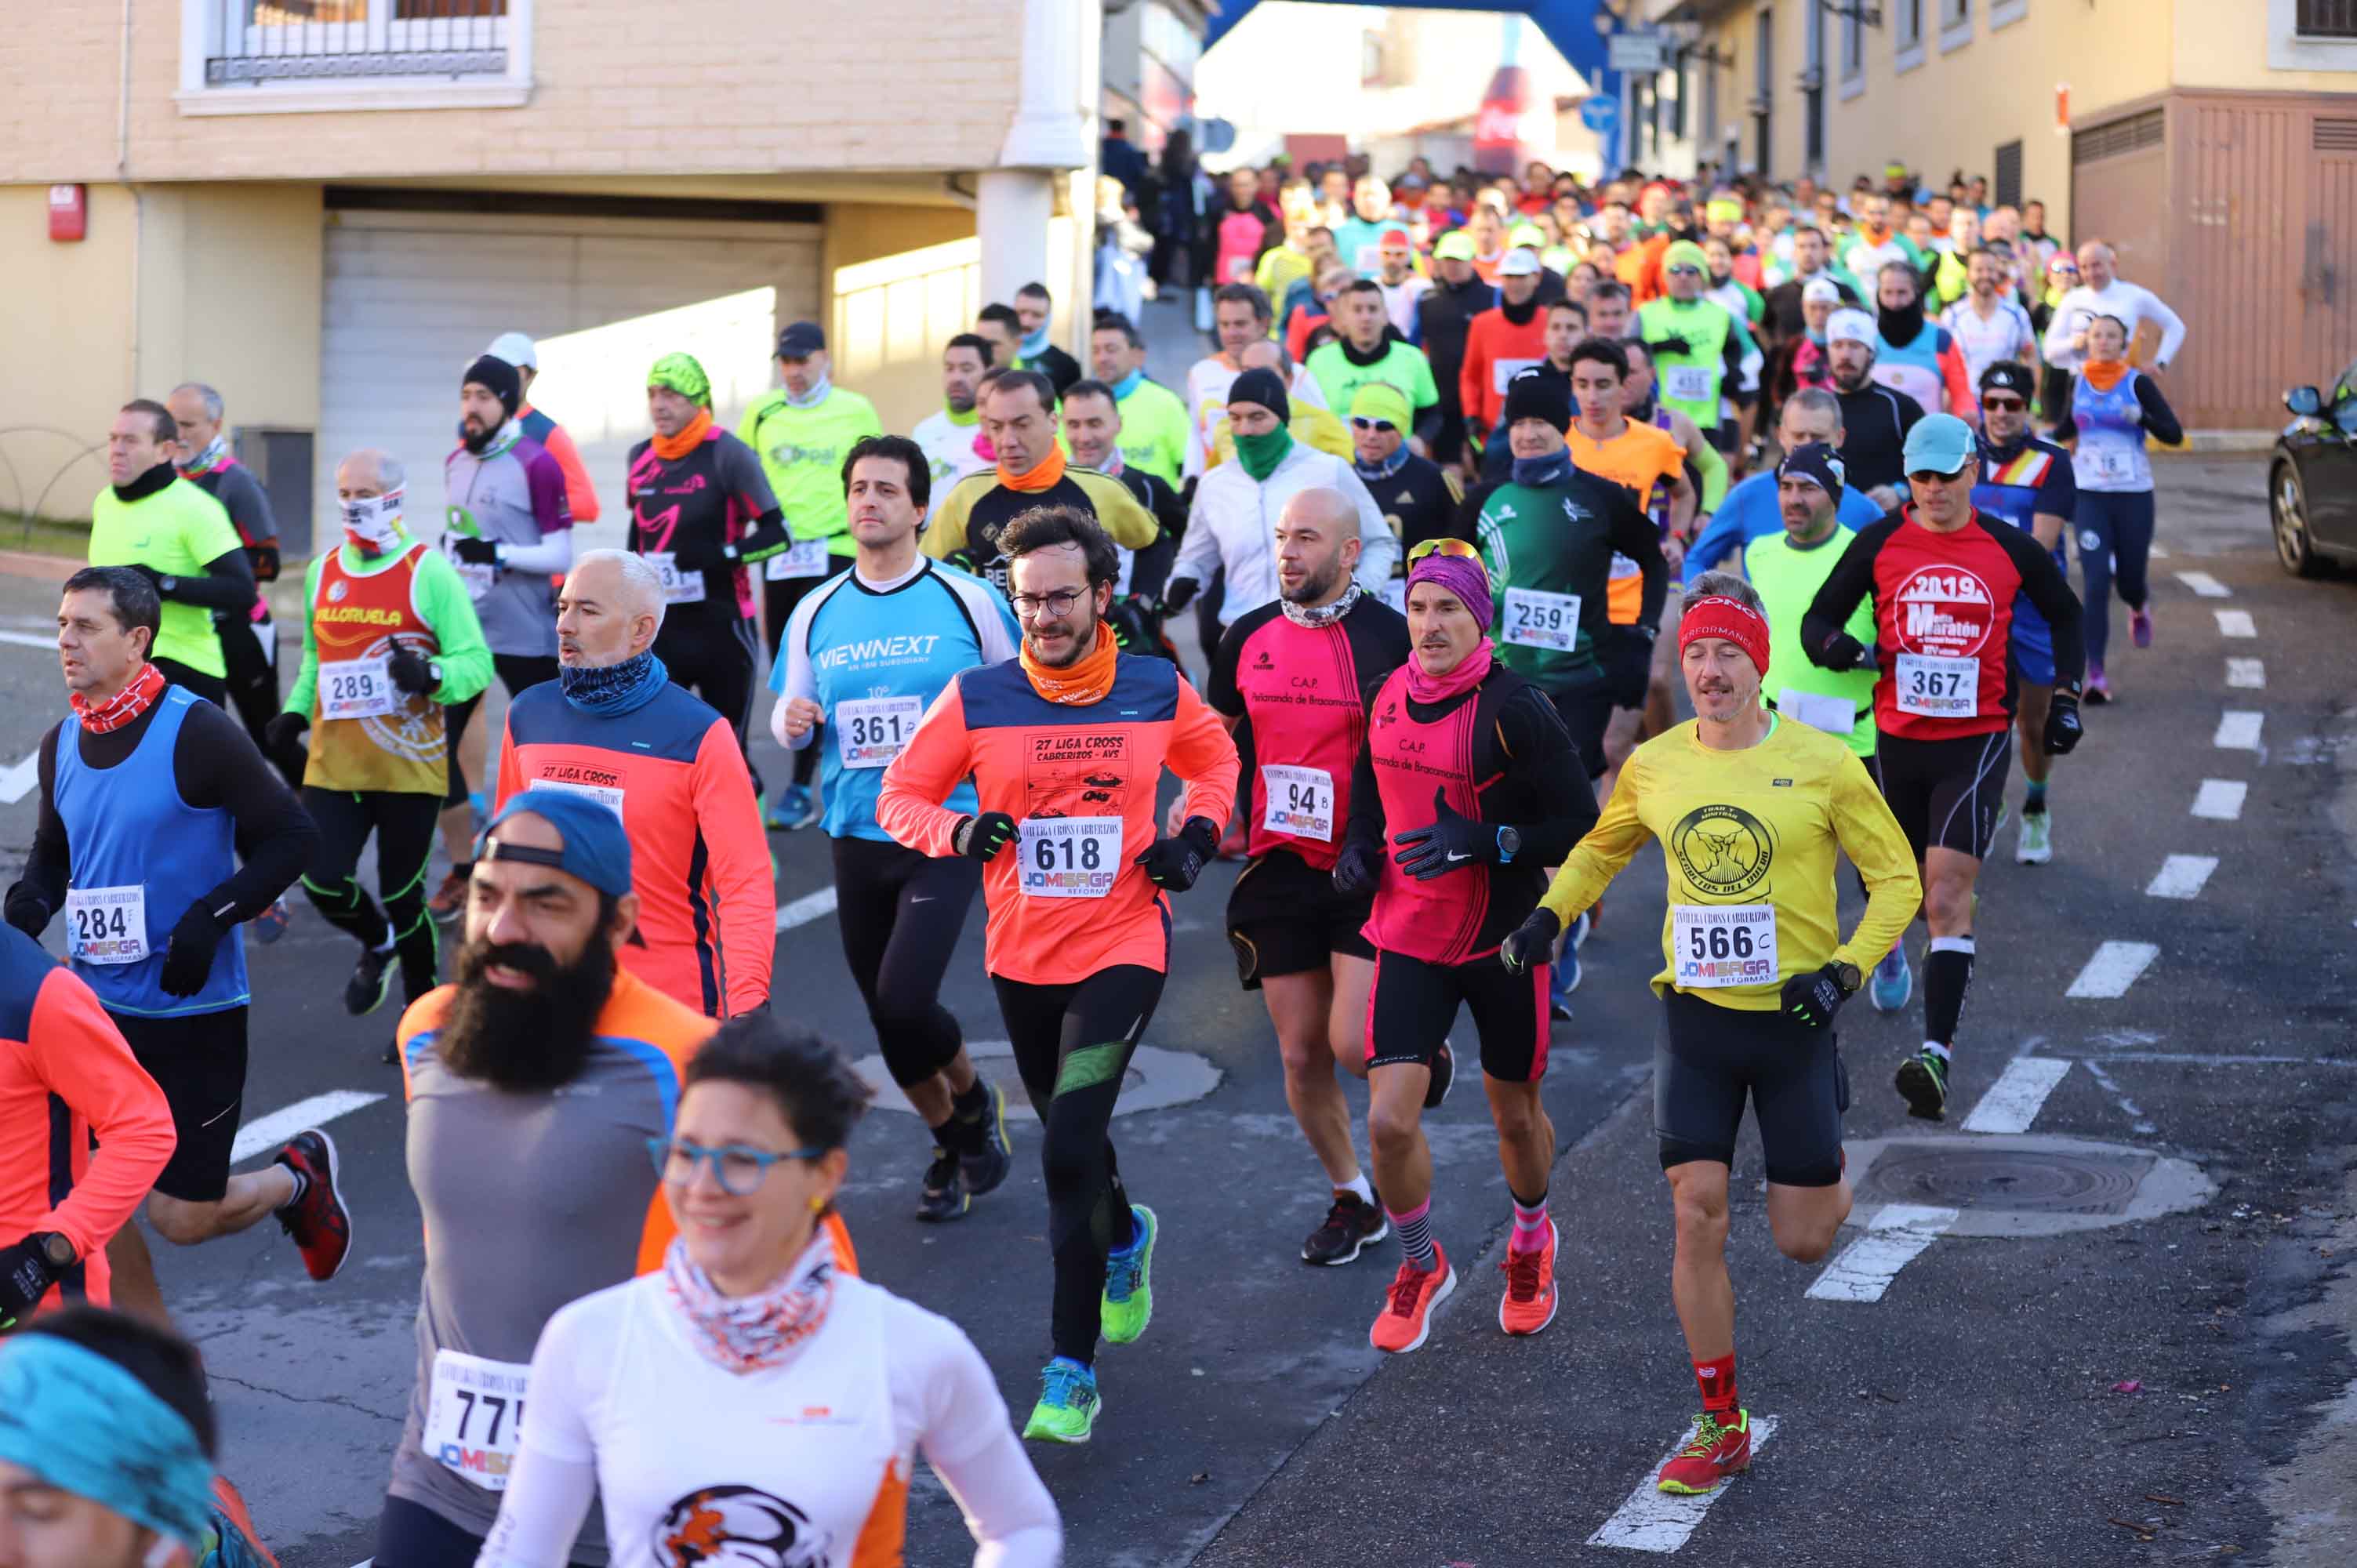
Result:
pixel 1509 844
pixel 167 586
pixel 58 1250
pixel 1847 977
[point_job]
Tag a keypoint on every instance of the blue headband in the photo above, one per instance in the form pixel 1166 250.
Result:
pixel 86 1426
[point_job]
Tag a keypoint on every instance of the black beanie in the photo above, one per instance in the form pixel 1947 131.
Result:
pixel 1264 388
pixel 499 378
pixel 1534 394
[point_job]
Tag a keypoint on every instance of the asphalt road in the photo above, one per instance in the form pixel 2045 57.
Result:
pixel 2162 1389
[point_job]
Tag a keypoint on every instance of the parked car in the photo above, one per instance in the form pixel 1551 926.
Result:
pixel 2312 479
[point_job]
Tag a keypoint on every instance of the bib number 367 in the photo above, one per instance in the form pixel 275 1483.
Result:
pixel 1938 687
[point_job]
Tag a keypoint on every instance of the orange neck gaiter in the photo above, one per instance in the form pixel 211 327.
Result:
pixel 1043 478
pixel 2103 374
pixel 1090 680
pixel 671 448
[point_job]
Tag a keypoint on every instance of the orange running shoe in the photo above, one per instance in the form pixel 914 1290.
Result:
pixel 1529 1303
pixel 1718 1449
pixel 1407 1316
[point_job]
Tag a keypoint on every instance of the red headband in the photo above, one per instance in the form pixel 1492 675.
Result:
pixel 1737 622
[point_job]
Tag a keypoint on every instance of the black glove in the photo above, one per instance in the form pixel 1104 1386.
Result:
pixel 411 671
pixel 702 554
pixel 155 580
pixel 28 912
pixel 1132 620
pixel 1531 942
pixel 475 552
pixel 986 835
pixel 1842 651
pixel 26 1277
pixel 1177 596
pixel 2063 726
pixel 1813 998
pixel 189 958
pixel 1356 871
pixel 1669 343
pixel 1175 863
pixel 1451 843
pixel 282 735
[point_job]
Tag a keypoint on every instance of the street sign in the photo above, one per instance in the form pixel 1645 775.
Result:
pixel 1600 113
pixel 1641 53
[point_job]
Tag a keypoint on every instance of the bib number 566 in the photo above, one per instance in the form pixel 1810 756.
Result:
pixel 1719 942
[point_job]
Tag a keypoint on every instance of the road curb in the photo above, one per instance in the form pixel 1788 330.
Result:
pixel 33 566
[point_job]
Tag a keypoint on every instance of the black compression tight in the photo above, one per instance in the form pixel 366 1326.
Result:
pixel 404 826
pixel 901 913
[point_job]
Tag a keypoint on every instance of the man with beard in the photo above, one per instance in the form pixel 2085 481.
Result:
pixel 1875 418
pixel 535 1085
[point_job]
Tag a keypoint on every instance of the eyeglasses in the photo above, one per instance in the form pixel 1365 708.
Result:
pixel 1444 545
pixel 1359 423
pixel 739 1168
pixel 1683 271
pixel 2003 405
pixel 1055 606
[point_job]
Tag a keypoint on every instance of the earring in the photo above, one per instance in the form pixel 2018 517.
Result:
pixel 818 1205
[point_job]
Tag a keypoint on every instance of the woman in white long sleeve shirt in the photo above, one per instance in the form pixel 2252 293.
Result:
pixel 748 1391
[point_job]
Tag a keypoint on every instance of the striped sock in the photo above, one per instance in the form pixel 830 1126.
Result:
pixel 1530 1225
pixel 1416 1236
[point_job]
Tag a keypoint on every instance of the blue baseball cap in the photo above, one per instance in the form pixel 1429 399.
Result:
pixel 597 850
pixel 1940 444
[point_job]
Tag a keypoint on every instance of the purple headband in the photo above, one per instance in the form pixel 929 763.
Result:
pixel 1461 575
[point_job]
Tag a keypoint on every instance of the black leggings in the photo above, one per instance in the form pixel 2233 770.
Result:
pixel 898 952
pixel 404 826
pixel 410 1535
pixel 777 601
pixel 1072 1045
pixel 518 673
pixel 715 659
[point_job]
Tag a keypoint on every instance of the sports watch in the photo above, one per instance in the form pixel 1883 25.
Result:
pixel 1847 977
pixel 1509 844
pixel 58 1250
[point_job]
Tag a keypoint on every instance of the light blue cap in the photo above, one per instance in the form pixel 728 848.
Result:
pixel 1940 444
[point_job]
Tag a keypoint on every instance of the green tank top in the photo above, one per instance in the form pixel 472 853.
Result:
pixel 1786 580
pixel 1689 383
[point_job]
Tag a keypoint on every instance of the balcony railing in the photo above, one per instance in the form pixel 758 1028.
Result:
pixel 258 42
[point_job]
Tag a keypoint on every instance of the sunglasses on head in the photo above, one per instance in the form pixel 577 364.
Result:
pixel 1445 545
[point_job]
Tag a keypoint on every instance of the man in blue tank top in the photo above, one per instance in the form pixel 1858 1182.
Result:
pixel 149 799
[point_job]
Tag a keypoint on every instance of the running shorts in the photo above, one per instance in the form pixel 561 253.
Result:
pixel 1285 917
pixel 198 1059
pixel 1412 1003
pixel 1945 793
pixel 1708 1057
pixel 2031 642
pixel 1586 711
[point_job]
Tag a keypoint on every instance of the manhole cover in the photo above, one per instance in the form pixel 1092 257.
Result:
pixel 1975 1175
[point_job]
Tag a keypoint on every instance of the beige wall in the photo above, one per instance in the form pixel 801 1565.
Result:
pixel 621 86
pixel 2224 43
pixel 66 336
pixel 905 281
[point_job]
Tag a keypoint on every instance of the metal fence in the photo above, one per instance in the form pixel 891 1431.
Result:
pixel 256 41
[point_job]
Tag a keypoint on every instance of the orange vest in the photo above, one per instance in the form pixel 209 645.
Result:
pixel 355 618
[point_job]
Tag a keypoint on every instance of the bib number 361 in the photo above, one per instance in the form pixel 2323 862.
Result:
pixel 1070 857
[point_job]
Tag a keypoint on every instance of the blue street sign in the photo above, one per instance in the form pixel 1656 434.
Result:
pixel 1600 113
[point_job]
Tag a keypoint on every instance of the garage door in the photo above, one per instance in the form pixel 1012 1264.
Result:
pixel 412 297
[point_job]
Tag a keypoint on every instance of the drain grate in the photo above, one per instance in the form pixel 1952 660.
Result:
pixel 1960 1174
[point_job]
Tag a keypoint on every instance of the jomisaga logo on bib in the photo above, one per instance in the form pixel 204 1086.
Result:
pixel 1944 610
pixel 740 1527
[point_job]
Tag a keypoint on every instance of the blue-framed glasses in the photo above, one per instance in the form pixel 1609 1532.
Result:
pixel 739 1168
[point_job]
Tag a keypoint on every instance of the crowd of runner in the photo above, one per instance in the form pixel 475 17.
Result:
pixel 1481 482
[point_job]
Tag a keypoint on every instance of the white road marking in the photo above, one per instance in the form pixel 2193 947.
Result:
pixel 269 1132
pixel 27 640
pixel 20 780
pixel 2235 623
pixel 2208 1058
pixel 2159 551
pixel 2012 1102
pixel 2220 799
pixel 2181 876
pixel 2247 675
pixel 2238 730
pixel 2203 584
pixel 808 907
pixel 1655 1520
pixel 1867 1265
pixel 2113 969
pixel 2134 1112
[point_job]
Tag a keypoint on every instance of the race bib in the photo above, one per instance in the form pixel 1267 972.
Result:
pixel 1623 568
pixel 358 689
pixel 869 733
pixel 1301 801
pixel 1128 569
pixel 2109 464
pixel 1687 383
pixel 1536 619
pixel 604 795
pixel 1504 370
pixel 1834 715
pixel 1370 261
pixel 474 1417
pixel 803 558
pixel 476 577
pixel 1938 688
pixel 1731 945
pixel 679 587
pixel 1068 857
pixel 107 925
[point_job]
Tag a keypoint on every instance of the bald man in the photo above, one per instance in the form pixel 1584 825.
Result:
pixel 612 727
pixel 2103 292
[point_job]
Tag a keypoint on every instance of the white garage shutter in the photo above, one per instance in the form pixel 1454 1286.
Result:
pixel 412 297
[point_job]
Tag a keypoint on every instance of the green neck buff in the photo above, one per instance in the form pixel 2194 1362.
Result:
pixel 1260 455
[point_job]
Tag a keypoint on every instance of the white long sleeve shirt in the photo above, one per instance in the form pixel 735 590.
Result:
pixel 2131 303
pixel 1234 518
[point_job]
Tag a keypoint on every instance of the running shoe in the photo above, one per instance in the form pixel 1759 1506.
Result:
pixel 1530 1300
pixel 797 809
pixel 1067 1410
pixel 1718 1449
pixel 2036 846
pixel 1128 1304
pixel 1351 1227
pixel 2097 690
pixel 1565 979
pixel 271 924
pixel 1444 1075
pixel 318 1222
pixel 1406 1317
pixel 2140 626
pixel 1922 1083
pixel 985 1171
pixel 944 1197
pixel 1894 983
pixel 449 900
pixel 372 982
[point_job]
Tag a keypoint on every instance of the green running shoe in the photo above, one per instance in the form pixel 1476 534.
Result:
pixel 1129 1281
pixel 1067 1410
pixel 1923 1084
